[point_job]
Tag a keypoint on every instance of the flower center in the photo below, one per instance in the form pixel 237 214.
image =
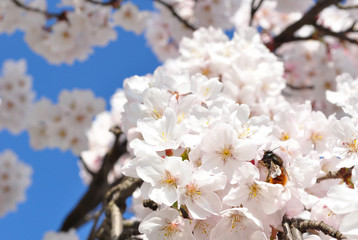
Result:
pixel 351 145
pixel 236 221
pixel 157 114
pixel 255 191
pixel 169 179
pixel 226 153
pixel 193 191
pixel 170 229
pixel 285 136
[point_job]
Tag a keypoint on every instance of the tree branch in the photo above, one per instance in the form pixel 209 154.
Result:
pixel 254 10
pixel 308 18
pixel 97 189
pixel 176 15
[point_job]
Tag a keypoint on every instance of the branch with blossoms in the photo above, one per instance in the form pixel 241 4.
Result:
pixel 309 18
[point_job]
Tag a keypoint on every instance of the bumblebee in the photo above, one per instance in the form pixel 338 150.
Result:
pixel 277 173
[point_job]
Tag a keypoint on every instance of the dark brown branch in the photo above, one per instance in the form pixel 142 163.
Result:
pixel 36 10
pixel 254 10
pixel 176 15
pixel 97 189
pixel 308 18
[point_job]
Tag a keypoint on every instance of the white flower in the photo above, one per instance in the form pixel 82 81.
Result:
pixel 236 223
pixel 166 224
pixel 163 133
pixel 164 175
pixel 198 193
pixel 345 140
pixel 259 197
pixel 223 151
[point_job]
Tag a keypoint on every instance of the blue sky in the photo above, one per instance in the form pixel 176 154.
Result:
pixel 56 186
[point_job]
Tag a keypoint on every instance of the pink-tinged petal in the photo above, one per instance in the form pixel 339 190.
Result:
pixel 246 150
pixel 236 196
pixel 151 174
pixel 270 199
pixel 349 225
pixel 204 206
pixel 341 199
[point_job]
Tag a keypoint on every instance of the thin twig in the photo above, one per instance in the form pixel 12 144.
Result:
pixel 254 10
pixel 37 10
pixel 86 167
pixel 339 35
pixel 113 3
pixel 176 15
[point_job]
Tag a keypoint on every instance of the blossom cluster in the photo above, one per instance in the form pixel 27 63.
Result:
pixel 14 180
pixel 63 125
pixel 16 96
pixel 240 63
pixel 198 150
pixel 219 135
